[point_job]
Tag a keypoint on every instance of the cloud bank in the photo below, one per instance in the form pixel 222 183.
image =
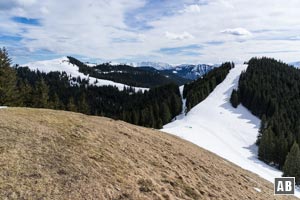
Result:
pixel 151 30
pixel 237 31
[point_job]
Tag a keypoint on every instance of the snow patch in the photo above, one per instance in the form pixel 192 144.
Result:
pixel 2 107
pixel 257 189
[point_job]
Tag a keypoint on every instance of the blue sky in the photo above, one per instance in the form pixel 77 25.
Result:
pixel 182 31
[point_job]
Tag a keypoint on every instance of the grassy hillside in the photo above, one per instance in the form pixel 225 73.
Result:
pixel 48 154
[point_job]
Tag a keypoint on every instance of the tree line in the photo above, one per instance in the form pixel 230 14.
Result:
pixel 270 89
pixel 198 90
pixel 19 86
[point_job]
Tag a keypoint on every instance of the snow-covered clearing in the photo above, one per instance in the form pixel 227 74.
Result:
pixel 218 127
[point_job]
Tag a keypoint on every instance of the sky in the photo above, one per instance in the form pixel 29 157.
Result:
pixel 175 32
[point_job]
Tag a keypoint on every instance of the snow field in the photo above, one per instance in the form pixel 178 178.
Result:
pixel 230 133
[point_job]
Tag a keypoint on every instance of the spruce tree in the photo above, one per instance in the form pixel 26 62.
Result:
pixel 55 102
pixel 165 113
pixel 71 105
pixel 83 106
pixel 234 99
pixel 263 126
pixel 41 96
pixel 7 80
pixel 159 123
pixel 135 117
pixel 266 147
pixel 291 166
pixel 24 94
pixel 176 105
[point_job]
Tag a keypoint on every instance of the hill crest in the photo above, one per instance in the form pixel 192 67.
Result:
pixel 50 154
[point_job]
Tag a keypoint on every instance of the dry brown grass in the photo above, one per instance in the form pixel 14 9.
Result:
pixel 46 154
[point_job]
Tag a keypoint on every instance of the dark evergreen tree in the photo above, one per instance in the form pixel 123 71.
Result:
pixel 54 102
pixel 291 166
pixel 263 126
pixel 7 80
pixel 83 106
pixel 25 92
pixel 71 105
pixel 41 94
pixel 280 150
pixel 165 113
pixel 234 99
pixel 266 147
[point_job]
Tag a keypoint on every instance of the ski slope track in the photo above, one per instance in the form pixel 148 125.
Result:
pixel 63 64
pixel 230 133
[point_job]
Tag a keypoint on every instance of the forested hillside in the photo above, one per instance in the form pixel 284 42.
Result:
pixel 23 87
pixel 270 89
pixel 198 90
pixel 133 76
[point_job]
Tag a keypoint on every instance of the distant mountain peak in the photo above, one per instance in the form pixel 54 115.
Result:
pixel 156 65
pixel 295 64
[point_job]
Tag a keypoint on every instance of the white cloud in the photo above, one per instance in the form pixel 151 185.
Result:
pixel 237 31
pixel 296 37
pixel 9 4
pixel 25 2
pixel 194 8
pixel 88 28
pixel 183 36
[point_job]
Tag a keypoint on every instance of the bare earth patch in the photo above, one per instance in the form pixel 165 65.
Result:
pixel 46 154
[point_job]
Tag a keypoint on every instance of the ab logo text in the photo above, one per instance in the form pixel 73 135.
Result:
pixel 284 186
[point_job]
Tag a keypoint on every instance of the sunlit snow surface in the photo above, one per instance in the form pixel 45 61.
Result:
pixel 228 132
pixel 63 64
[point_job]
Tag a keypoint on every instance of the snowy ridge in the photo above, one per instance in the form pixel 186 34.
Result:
pixel 63 64
pixel 156 65
pixel 230 133
pixel 192 72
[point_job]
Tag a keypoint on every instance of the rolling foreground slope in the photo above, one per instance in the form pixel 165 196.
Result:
pixel 218 127
pixel 48 154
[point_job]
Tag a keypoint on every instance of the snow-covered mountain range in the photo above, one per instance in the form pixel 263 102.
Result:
pixel 155 65
pixel 163 72
pixel 190 71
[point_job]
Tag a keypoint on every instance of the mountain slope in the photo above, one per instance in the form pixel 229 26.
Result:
pixel 141 75
pixel 48 154
pixel 216 126
pixel 64 65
